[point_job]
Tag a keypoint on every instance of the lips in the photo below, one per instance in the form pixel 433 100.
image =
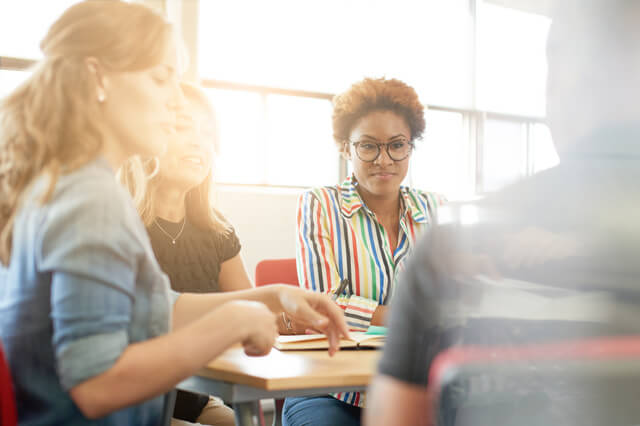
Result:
pixel 194 159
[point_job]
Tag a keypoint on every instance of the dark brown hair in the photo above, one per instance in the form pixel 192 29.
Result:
pixel 376 94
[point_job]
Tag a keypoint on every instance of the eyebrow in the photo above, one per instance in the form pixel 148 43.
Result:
pixel 399 135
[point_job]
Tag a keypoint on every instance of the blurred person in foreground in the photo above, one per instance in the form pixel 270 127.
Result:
pixel 552 258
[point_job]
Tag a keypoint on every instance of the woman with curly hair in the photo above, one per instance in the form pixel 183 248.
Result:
pixel 360 232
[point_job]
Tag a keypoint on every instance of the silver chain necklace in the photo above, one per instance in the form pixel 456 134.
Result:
pixel 173 239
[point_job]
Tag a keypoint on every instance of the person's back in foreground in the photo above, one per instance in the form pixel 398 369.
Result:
pixel 549 259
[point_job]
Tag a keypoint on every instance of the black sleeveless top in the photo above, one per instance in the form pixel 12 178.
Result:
pixel 193 265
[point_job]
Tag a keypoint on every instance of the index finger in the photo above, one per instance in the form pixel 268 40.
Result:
pixel 335 315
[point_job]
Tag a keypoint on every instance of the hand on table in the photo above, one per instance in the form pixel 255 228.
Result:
pixel 257 326
pixel 315 311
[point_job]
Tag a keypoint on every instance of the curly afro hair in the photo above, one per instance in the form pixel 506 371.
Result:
pixel 374 94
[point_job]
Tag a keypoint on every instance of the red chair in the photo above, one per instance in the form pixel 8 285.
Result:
pixel 484 385
pixel 8 412
pixel 277 271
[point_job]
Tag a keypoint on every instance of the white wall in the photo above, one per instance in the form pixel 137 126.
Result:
pixel 264 219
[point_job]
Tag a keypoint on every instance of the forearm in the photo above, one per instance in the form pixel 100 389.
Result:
pixel 379 316
pixel 391 401
pixel 190 306
pixel 147 369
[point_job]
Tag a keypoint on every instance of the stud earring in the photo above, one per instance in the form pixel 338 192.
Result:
pixel 101 97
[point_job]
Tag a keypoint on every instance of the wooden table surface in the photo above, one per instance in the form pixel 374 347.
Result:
pixel 282 370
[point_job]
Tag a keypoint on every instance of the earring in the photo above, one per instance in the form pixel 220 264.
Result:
pixel 156 167
pixel 101 97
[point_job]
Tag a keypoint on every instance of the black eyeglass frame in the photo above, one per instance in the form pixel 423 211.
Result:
pixel 386 145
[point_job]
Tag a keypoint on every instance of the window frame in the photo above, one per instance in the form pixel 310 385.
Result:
pixel 474 120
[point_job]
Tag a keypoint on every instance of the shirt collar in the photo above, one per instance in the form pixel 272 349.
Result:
pixel 413 206
pixel 351 202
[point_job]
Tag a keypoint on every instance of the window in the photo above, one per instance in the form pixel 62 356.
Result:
pixel 241 125
pixel 504 153
pixel 512 63
pixel 24 23
pixel 9 80
pixel 274 139
pixel 272 67
pixel 444 160
pixel 325 46
pixel 544 151
pixel 300 147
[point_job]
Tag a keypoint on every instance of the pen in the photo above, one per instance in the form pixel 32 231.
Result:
pixel 340 289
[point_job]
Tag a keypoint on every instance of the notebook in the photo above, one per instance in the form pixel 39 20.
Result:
pixel 359 340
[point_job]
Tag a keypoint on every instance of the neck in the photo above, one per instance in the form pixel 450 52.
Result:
pixel 384 206
pixel 169 203
pixel 112 152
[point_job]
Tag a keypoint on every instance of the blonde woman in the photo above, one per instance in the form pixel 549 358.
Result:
pixel 88 323
pixel 194 244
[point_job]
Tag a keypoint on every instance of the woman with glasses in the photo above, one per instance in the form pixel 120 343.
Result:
pixel 90 328
pixel 357 235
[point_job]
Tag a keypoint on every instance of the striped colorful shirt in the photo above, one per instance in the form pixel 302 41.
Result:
pixel 339 237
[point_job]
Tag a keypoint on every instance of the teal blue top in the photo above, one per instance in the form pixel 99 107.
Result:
pixel 81 286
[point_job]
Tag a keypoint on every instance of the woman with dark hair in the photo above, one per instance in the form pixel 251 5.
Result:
pixel 89 325
pixel 360 233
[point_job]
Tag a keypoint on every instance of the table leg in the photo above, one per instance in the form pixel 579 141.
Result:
pixel 169 403
pixel 247 413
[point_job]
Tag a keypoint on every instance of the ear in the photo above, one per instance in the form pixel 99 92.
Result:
pixel 99 78
pixel 345 152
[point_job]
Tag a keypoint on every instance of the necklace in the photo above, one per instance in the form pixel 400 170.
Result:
pixel 173 239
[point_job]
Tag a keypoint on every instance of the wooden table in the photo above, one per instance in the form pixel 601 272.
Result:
pixel 243 380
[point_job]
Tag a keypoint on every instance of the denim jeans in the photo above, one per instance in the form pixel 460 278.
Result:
pixel 319 411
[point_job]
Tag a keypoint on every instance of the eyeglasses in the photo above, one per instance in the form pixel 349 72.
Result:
pixel 369 151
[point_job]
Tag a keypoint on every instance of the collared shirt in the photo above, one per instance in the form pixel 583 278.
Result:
pixel 339 237
pixel 81 286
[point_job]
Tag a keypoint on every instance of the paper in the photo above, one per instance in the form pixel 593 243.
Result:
pixel 320 341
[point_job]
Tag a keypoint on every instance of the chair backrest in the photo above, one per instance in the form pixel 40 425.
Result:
pixel 8 412
pixel 573 382
pixel 276 271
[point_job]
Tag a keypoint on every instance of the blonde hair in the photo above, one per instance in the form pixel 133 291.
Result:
pixel 141 179
pixel 52 123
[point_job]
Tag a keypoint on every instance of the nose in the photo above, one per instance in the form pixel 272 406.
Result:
pixel 198 142
pixel 177 101
pixel 383 157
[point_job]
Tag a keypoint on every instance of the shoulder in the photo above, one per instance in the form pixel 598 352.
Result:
pixel 89 207
pixel 434 199
pixel 92 187
pixel 422 204
pixel 324 195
